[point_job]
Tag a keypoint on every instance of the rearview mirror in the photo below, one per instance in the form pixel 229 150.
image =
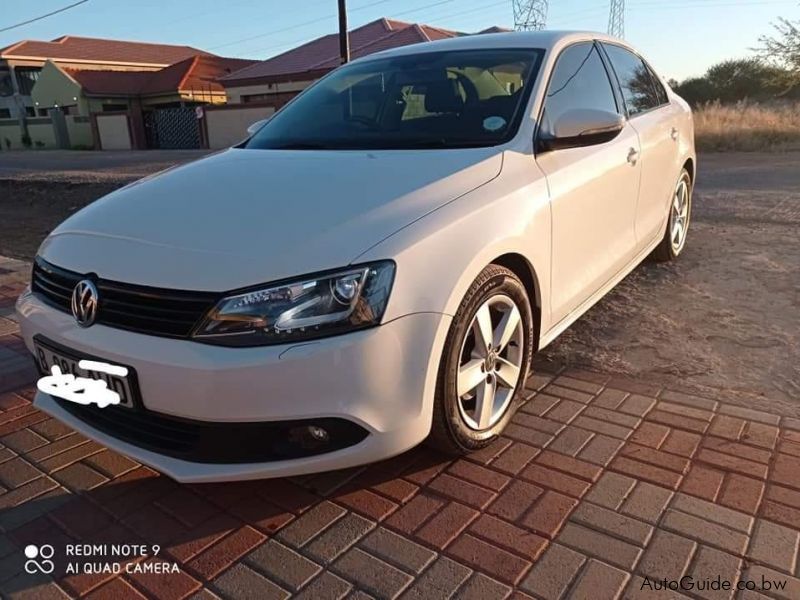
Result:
pixel 582 127
pixel 256 126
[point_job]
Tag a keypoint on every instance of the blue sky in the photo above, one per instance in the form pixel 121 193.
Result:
pixel 680 37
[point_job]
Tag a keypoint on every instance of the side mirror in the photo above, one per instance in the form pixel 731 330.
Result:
pixel 582 127
pixel 256 126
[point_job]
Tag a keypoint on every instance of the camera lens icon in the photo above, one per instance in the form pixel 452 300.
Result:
pixel 39 559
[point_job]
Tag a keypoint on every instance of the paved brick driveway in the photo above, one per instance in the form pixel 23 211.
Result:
pixel 598 483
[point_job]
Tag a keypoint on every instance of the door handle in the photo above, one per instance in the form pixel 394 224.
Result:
pixel 633 156
pixel 673 133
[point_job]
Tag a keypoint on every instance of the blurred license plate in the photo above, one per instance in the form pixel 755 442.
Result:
pixel 48 357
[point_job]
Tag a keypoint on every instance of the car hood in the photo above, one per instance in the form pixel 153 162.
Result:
pixel 244 217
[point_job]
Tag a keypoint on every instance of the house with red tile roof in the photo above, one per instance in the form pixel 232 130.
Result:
pixel 277 80
pixel 22 63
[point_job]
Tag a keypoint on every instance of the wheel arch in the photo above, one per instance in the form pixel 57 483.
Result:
pixel 523 269
pixel 689 166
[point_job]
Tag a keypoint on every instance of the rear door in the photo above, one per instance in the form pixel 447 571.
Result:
pixel 593 189
pixel 655 120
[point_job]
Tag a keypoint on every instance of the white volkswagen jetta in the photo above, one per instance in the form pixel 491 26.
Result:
pixel 374 265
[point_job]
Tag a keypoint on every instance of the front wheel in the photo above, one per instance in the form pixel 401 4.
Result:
pixel 485 363
pixel 680 213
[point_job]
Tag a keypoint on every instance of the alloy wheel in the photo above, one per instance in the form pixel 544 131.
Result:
pixel 679 217
pixel 491 362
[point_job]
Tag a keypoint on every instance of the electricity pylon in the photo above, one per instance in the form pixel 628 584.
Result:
pixel 530 15
pixel 616 18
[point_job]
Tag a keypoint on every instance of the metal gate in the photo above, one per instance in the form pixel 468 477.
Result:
pixel 172 128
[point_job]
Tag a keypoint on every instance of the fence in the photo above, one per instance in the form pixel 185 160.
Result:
pixel 227 125
pixel 42 133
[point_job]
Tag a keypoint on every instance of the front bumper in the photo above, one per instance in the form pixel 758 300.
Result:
pixel 382 379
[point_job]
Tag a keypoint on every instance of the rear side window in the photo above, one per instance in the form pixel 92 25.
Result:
pixel 579 81
pixel 661 93
pixel 638 87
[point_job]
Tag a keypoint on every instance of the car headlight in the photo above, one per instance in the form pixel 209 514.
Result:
pixel 301 309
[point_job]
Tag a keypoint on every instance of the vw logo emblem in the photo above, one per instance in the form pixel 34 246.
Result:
pixel 84 303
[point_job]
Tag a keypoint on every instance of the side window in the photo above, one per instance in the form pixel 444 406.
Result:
pixel 579 80
pixel 661 93
pixel 634 78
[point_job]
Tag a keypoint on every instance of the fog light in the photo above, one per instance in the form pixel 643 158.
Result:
pixel 317 434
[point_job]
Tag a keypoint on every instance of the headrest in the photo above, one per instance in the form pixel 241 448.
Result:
pixel 443 97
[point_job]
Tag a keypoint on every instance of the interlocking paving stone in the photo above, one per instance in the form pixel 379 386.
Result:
pixel 613 523
pixel 667 556
pixel 441 580
pixel 325 587
pixel 374 575
pixel 611 490
pixel 242 582
pixel 311 523
pixel 338 538
pixel 718 514
pixel 552 574
pixel 599 482
pixel 599 581
pixel 711 563
pixel 704 531
pixel 397 550
pixel 480 587
pixel 599 545
pixel 282 564
pixel 774 545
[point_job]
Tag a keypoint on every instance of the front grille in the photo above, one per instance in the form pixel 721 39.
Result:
pixel 154 311
pixel 212 442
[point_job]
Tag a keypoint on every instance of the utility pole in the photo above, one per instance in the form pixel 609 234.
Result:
pixel 616 18
pixel 529 15
pixel 344 39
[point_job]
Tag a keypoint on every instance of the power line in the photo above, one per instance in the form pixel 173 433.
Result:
pixel 50 14
pixel 529 15
pixel 393 16
pixel 296 26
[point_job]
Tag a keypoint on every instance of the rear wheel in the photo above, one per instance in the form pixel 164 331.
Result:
pixel 485 363
pixel 680 214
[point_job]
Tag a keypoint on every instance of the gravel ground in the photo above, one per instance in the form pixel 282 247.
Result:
pixel 722 321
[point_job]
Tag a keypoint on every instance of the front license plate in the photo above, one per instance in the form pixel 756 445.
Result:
pixel 47 357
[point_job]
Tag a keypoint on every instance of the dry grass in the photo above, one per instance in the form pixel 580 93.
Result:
pixel 747 127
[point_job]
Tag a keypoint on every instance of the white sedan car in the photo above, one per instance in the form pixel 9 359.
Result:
pixel 373 266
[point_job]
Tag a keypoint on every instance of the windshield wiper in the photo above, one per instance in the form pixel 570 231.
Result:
pixel 300 146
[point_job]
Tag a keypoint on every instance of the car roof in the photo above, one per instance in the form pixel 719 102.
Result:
pixel 546 40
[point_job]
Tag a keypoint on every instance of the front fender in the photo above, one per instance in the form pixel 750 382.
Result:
pixel 439 256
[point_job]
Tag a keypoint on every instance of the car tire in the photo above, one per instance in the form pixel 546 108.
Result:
pixel 668 249
pixel 460 423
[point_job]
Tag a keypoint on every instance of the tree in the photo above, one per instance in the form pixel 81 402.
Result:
pixel 783 48
pixel 734 80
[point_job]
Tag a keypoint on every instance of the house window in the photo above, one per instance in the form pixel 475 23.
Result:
pixel 5 113
pixel 6 88
pixel 27 78
pixel 114 107
pixel 43 112
pixel 30 111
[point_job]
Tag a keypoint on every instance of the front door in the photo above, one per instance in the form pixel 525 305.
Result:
pixel 593 190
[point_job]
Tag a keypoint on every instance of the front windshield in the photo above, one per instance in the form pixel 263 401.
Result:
pixel 451 99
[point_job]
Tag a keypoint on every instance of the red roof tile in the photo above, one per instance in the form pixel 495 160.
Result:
pixel 75 48
pixel 196 73
pixel 323 52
